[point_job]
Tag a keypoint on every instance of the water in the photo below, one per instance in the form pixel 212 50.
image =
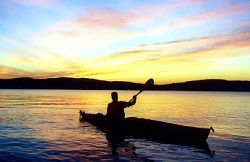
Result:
pixel 43 125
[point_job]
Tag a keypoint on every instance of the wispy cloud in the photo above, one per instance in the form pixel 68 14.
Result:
pixel 182 55
pixel 200 45
pixel 36 3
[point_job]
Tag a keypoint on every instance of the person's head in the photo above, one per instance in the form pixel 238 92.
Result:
pixel 114 96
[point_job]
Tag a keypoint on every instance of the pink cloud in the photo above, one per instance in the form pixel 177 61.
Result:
pixel 137 15
pixel 105 18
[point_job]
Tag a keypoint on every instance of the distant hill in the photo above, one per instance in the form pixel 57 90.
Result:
pixel 93 84
pixel 66 83
pixel 210 85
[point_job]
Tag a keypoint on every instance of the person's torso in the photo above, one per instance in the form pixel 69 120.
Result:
pixel 117 109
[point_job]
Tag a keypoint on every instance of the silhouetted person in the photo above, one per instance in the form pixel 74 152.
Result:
pixel 115 110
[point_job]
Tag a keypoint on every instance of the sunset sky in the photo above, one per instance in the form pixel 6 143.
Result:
pixel 125 40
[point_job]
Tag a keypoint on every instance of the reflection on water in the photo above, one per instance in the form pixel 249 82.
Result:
pixel 40 125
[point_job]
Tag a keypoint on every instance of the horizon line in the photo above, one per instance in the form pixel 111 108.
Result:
pixel 117 80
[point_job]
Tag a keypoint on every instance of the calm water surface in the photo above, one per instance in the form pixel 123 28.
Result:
pixel 43 125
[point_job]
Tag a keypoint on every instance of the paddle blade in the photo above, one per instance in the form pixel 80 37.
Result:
pixel 150 82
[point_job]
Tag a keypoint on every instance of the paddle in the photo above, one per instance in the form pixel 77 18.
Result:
pixel 150 82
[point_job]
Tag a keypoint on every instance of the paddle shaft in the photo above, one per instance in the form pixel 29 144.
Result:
pixel 139 92
pixel 136 95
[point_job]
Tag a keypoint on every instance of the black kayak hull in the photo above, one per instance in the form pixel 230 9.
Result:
pixel 150 129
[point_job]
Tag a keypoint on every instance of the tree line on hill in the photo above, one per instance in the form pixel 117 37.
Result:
pixel 93 84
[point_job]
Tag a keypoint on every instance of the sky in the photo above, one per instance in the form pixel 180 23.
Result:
pixel 126 40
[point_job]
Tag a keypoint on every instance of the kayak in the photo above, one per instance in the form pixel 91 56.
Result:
pixel 149 129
